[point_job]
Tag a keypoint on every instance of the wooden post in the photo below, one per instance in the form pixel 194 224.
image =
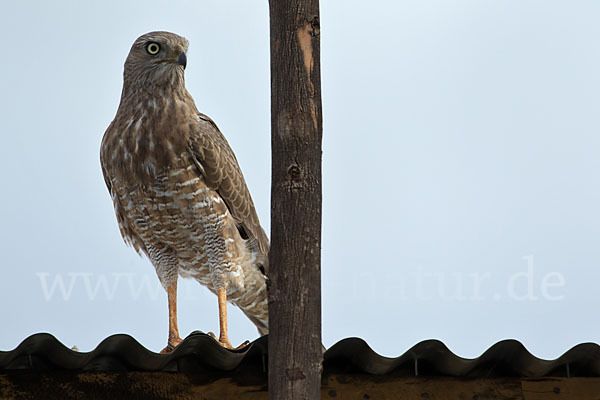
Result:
pixel 295 353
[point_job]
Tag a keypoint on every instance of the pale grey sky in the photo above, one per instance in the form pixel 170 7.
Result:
pixel 461 198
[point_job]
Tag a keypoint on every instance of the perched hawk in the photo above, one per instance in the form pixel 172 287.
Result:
pixel 178 192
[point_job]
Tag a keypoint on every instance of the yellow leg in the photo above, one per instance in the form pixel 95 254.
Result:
pixel 174 338
pixel 223 337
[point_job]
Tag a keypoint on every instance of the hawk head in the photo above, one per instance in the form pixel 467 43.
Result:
pixel 156 59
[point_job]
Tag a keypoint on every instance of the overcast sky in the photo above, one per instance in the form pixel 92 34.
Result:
pixel 461 159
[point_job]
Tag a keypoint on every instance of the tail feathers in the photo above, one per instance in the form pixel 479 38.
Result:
pixel 261 324
pixel 253 300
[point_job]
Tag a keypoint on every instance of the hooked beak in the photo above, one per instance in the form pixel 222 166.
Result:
pixel 182 59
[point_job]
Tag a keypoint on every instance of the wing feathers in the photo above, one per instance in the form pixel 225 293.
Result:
pixel 221 171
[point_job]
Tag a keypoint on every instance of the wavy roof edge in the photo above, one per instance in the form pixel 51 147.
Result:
pixel 201 353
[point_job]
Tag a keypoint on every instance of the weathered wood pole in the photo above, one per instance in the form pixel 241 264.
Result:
pixel 295 354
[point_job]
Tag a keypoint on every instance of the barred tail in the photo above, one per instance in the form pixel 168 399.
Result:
pixel 261 325
pixel 257 310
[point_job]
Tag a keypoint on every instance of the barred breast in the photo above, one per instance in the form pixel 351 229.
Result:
pixel 186 229
pixel 166 210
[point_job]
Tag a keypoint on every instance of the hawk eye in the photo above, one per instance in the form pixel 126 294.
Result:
pixel 153 48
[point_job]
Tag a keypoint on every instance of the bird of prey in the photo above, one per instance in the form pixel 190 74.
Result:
pixel 178 191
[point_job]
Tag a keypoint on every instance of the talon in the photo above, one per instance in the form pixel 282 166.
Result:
pixel 227 344
pixel 171 344
pixel 241 346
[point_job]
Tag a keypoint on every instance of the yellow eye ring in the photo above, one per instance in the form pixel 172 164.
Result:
pixel 153 48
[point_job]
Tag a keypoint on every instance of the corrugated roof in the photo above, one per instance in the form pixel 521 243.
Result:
pixel 200 353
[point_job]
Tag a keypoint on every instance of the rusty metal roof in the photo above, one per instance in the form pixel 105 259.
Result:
pixel 200 353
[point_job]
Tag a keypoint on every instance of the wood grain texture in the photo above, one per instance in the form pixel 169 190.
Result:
pixel 186 386
pixel 295 361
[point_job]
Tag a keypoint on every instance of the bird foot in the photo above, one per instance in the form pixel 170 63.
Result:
pixel 227 344
pixel 171 344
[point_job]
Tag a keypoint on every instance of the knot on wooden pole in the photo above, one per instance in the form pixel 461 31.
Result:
pixel 295 177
